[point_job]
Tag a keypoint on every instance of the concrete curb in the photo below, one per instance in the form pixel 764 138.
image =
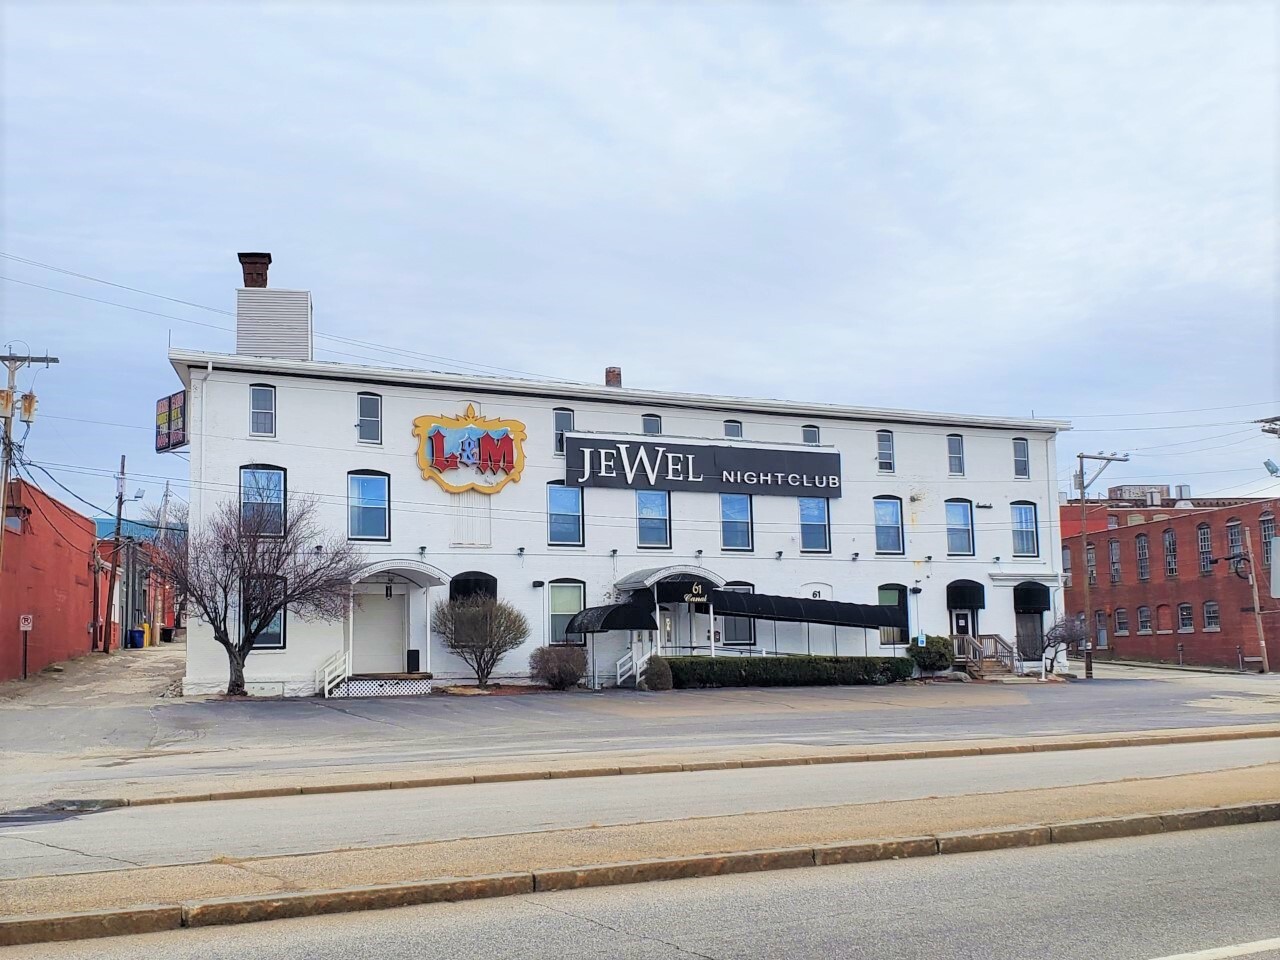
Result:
pixel 252 909
pixel 860 756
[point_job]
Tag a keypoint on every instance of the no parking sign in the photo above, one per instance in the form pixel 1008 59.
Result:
pixel 25 622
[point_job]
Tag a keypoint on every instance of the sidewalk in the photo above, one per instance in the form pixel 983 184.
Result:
pixel 224 888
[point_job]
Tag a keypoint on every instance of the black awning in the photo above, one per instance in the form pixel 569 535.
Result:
pixel 613 616
pixel 761 606
pixel 1030 597
pixel 966 595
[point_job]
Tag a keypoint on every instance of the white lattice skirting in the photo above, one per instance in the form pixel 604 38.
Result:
pixel 388 687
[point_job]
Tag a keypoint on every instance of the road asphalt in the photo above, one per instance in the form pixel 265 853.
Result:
pixel 1145 898
pixel 198 832
pixel 98 747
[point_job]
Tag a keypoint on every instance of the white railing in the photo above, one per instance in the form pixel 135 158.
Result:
pixel 333 671
pixel 626 667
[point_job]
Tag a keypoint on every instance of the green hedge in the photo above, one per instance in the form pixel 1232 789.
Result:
pixel 736 671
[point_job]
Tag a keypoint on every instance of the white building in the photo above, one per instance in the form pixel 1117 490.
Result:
pixel 563 496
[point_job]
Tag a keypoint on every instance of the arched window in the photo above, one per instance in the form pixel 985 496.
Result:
pixel 473 583
pixel 565 598
pixel 1212 620
pixel 1235 537
pixel 888 517
pixel 810 433
pixel 1186 618
pixel 1267 531
pixel 738 631
pixel 955 455
pixel 651 423
pixel 368 417
pixel 1026 529
pixel 1164 618
pixel 1144 619
pixel 262 410
pixel 1204 548
pixel 1021 458
pixel 368 505
pixel 1170 554
pixel 1122 621
pixel 893 595
pixel 263 499
pixel 1113 559
pixel 561 423
pixel 884 451
pixel 960 528
pixel 733 429
pixel 1091 563
pixel 1142 546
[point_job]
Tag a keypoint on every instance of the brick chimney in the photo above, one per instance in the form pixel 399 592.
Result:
pixel 613 376
pixel 255 268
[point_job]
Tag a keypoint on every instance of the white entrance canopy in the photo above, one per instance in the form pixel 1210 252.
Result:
pixel 643 579
pixel 415 571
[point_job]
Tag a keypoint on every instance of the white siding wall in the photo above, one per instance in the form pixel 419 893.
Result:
pixel 316 443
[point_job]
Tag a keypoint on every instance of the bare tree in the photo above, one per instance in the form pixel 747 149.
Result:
pixel 480 631
pixel 248 561
pixel 1066 633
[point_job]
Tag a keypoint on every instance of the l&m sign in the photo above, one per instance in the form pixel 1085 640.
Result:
pixel 632 464
pixel 470 452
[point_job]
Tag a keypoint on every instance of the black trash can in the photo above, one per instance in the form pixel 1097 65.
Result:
pixel 166 634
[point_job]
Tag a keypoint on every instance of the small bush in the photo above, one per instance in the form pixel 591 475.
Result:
pixel 558 667
pixel 797 671
pixel 938 653
pixel 657 674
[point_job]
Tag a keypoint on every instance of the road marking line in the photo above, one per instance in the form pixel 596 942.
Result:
pixel 1223 953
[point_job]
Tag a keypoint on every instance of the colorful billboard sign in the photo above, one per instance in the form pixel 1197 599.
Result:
pixel 470 452
pixel 171 422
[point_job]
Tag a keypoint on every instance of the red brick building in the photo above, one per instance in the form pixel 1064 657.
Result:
pixel 1174 585
pixel 48 573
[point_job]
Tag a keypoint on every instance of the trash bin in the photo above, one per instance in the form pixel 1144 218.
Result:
pixel 166 634
pixel 135 639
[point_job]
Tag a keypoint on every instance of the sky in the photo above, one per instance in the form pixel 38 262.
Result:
pixel 1008 208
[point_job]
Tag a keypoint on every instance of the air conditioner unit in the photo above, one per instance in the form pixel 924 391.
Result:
pixel 1184 491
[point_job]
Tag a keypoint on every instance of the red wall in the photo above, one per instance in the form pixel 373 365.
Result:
pixel 47 576
pixel 1221 585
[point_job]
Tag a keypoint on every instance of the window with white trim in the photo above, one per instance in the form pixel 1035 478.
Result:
pixel 733 429
pixel 1144 619
pixel 735 522
pixel 1021 458
pixel 262 498
pixel 1235 538
pixel 651 423
pixel 1026 529
pixel 1066 566
pixel 888 517
pixel 1142 546
pixel 653 518
pixel 561 423
pixel 960 528
pixel 1170 554
pixel 1122 621
pixel 368 418
pixel 738 631
pixel 1212 620
pixel 955 455
pixel 1204 546
pixel 564 515
pixel 809 433
pixel 815 525
pixel 1091 563
pixel 565 599
pixel 884 451
pixel 1267 530
pixel 1113 559
pixel 368 505
pixel 1186 617
pixel 262 410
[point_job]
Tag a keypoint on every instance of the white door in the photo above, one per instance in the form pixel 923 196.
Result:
pixel 378 643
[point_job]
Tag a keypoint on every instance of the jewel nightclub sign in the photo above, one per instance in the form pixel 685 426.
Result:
pixel 631 464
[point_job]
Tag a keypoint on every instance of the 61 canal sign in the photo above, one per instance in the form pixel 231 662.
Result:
pixel 25 622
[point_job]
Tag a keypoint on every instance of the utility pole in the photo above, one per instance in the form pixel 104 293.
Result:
pixel 115 563
pixel 1105 460
pixel 157 588
pixel 9 399
pixel 1257 606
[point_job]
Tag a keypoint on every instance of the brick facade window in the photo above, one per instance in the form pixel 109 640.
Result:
pixel 1170 554
pixel 1211 619
pixel 1122 621
pixel 1144 619
pixel 1204 546
pixel 1267 527
pixel 1186 618
pixel 1235 538
pixel 1164 618
pixel 1113 559
pixel 1091 563
pixel 1142 545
